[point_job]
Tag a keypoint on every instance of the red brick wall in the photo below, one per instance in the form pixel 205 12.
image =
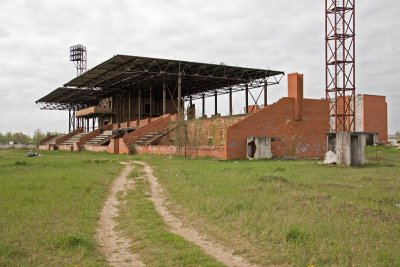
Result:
pixel 375 116
pixel 205 151
pixel 303 139
pixel 117 146
pixel 210 131
pixel 95 148
pixel 295 90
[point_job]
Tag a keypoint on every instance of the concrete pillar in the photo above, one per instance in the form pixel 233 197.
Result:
pixel 343 148
pixel 358 144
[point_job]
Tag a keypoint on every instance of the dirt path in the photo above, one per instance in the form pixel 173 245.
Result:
pixel 176 226
pixel 115 246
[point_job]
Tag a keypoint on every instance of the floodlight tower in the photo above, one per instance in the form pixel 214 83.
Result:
pixel 340 63
pixel 78 55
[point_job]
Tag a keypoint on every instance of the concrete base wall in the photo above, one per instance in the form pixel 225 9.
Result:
pixel 350 147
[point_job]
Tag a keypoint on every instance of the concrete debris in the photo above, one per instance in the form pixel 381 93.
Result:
pixel 330 157
pixel 31 154
pixel 394 143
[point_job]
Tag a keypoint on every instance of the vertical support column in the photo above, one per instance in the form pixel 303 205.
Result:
pixel 87 125
pixel 164 98
pixel 140 105
pixel 247 98
pixel 151 102
pixel 265 93
pixel 121 110
pixel 73 119
pixel 69 121
pixel 203 104
pixel 230 102
pixel 93 122
pixel 179 94
pixel 215 103
pixel 129 108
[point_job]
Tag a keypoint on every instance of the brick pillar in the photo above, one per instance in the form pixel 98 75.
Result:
pixel 295 90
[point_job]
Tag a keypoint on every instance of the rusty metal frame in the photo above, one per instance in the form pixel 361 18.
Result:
pixel 78 55
pixel 340 58
pixel 131 73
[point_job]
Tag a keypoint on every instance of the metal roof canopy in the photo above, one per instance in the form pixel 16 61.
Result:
pixel 123 73
pixel 68 98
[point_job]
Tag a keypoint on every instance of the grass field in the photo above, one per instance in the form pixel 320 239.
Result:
pixel 50 207
pixel 290 213
pixel 153 242
pixel 293 212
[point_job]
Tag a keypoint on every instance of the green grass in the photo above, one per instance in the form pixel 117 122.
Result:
pixel 153 242
pixel 49 207
pixel 293 212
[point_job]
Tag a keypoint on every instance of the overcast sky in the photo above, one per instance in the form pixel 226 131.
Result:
pixel 282 35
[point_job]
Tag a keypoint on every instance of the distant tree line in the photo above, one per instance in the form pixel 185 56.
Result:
pixel 21 138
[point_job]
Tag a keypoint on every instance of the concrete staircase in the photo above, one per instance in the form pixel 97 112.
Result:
pixel 100 139
pixel 149 138
pixel 53 141
pixel 73 139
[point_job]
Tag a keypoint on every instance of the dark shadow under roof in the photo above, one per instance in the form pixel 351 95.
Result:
pixel 122 73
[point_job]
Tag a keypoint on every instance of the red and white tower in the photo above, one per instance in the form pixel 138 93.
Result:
pixel 340 63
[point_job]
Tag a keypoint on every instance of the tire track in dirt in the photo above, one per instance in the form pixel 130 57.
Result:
pixel 176 226
pixel 116 247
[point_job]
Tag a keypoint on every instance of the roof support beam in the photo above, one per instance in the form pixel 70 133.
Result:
pixel 265 94
pixel 203 104
pixel 179 95
pixel 151 101
pixel 216 103
pixel 247 98
pixel 164 98
pixel 139 111
pixel 230 102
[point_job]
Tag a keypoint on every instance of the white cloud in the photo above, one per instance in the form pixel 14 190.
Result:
pixel 288 35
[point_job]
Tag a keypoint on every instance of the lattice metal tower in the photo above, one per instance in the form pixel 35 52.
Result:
pixel 340 63
pixel 78 55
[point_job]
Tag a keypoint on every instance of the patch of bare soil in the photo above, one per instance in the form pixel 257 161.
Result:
pixel 113 244
pixel 176 226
